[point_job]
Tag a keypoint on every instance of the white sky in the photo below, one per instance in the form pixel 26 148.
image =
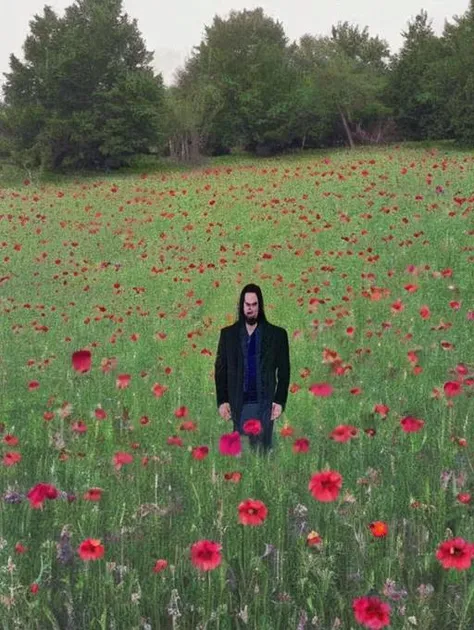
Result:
pixel 172 28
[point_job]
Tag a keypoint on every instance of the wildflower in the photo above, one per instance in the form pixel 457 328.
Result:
pixel 206 555
pixel 371 612
pixel 325 486
pixel 252 512
pixel 91 549
pixel 455 554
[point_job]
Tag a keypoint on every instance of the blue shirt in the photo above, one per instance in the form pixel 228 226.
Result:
pixel 251 347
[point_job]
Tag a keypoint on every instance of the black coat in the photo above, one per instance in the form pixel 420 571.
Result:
pixel 229 366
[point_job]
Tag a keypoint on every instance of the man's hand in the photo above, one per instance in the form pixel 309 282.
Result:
pixel 276 411
pixel 224 411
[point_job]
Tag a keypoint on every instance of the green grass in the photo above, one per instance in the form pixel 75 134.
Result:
pixel 298 230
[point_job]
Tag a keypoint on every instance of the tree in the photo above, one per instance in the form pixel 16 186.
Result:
pixel 85 94
pixel 455 75
pixel 414 88
pixel 245 59
pixel 347 75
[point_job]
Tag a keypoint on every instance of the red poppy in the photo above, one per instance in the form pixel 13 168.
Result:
pixel 188 425
pixel 91 549
pixel 286 431
pixel 123 381
pixel 252 512
pixel 81 360
pixel 158 390
pixel 425 312
pixel 34 588
pixel 11 458
pixel 122 458
pixel 371 612
pixel 93 494
pixel 160 565
pixel 39 493
pixel 325 486
pixel 321 389
pixel 234 476
pixel 11 440
pixel 411 425
pixel 313 539
pixel 301 445
pixel 455 554
pixel 20 548
pixel 252 427
pixel 379 529
pixel 200 452
pixel 206 555
pixel 174 440
pixel 464 497
pixel 229 444
pixel 100 414
pixel 452 388
pixel 382 410
pixel 343 433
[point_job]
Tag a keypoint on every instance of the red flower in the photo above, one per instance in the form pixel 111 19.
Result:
pixel 371 612
pixel 11 458
pixel 343 433
pixel 40 493
pixel 206 555
pixel 81 360
pixel 452 388
pixel 286 431
pixel 313 539
pixel 464 497
pixel 321 389
pixel 301 445
pixel 174 440
pixel 229 444
pixel 325 486
pixel 20 548
pixel 425 312
pixel 11 440
pixel 160 565
pixel 158 390
pixel 123 381
pixel 382 410
pixel 252 427
pixel 34 588
pixel 252 512
pixel 93 494
pixel 455 554
pixel 122 458
pixel 379 529
pixel 188 425
pixel 200 452
pixel 411 425
pixel 234 476
pixel 91 549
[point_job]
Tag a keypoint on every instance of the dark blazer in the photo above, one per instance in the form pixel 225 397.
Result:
pixel 229 366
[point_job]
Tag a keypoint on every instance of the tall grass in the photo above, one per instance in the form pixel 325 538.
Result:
pixel 147 268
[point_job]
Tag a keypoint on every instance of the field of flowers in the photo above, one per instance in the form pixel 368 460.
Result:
pixel 120 505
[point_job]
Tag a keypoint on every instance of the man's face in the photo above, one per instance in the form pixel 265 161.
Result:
pixel 251 308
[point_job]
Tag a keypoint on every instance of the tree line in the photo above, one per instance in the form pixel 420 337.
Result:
pixel 86 94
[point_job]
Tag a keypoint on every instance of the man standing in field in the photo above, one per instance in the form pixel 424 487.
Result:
pixel 250 353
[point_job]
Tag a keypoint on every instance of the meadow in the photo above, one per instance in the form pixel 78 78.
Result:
pixel 118 507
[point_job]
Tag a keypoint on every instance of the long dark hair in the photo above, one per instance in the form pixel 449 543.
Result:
pixel 251 288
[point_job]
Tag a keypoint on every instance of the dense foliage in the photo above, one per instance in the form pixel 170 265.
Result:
pixel 86 94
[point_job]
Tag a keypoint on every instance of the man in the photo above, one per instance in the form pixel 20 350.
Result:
pixel 250 353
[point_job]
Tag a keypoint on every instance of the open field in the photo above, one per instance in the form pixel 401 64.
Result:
pixel 366 259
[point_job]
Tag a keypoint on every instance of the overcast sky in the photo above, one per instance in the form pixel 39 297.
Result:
pixel 172 28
